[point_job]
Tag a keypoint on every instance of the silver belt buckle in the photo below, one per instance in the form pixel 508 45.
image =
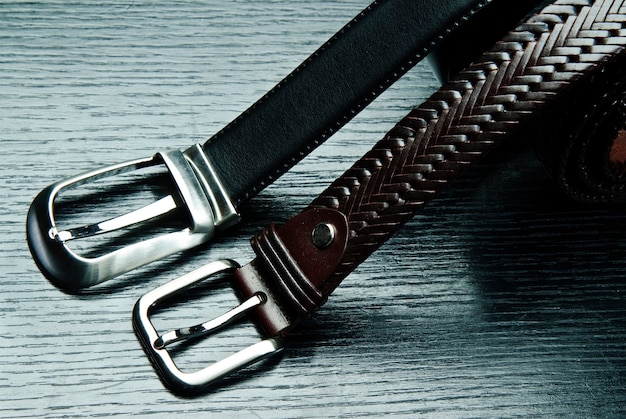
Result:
pixel 155 344
pixel 199 188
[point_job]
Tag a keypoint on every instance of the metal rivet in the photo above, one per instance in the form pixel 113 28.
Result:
pixel 323 235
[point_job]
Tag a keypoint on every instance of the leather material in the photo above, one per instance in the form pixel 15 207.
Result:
pixel 488 25
pixel 590 170
pixel 292 268
pixel 333 85
pixel 572 52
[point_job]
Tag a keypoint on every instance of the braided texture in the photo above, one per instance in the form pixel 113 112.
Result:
pixel 544 58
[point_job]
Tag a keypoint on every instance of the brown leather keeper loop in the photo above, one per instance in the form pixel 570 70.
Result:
pixel 293 285
pixel 293 267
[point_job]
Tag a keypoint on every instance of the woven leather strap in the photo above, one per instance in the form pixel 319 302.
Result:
pixel 569 53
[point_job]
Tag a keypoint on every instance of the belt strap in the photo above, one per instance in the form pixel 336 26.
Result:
pixel 570 50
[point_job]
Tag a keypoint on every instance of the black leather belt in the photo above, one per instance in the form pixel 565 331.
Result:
pixel 570 52
pixel 301 112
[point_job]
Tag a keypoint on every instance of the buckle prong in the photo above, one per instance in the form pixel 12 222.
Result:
pixel 155 345
pixel 148 212
pixel 212 325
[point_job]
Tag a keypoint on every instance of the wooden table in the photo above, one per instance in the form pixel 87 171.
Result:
pixel 502 298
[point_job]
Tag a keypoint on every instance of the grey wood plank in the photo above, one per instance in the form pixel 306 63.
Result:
pixel 500 299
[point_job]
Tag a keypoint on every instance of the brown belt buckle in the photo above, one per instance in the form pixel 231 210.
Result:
pixel 155 344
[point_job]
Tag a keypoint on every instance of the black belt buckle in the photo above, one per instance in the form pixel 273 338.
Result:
pixel 200 191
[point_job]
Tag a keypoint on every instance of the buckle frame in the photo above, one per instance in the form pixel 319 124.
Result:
pixel 201 191
pixel 155 345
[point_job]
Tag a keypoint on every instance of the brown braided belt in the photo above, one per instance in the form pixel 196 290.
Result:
pixel 572 51
pixel 559 75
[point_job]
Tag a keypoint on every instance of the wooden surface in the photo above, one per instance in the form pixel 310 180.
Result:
pixel 500 299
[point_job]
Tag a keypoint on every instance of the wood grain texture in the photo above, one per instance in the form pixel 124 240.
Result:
pixel 500 299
